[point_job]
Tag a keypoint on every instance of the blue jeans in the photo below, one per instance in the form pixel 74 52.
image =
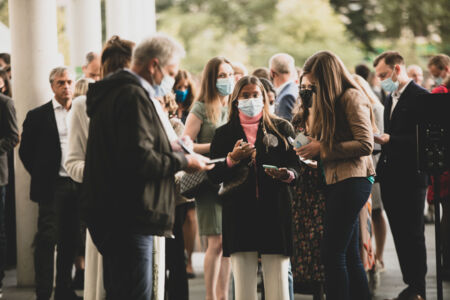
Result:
pixel 128 269
pixel 2 234
pixel 344 272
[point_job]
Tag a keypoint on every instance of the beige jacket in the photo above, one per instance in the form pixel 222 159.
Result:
pixel 351 153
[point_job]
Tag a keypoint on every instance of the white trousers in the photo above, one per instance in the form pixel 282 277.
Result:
pixel 275 273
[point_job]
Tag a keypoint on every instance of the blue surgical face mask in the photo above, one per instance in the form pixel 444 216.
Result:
pixel 251 107
pixel 225 85
pixel 389 85
pixel 438 80
pixel 181 96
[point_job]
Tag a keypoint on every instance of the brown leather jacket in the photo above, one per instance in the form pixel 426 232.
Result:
pixel 353 144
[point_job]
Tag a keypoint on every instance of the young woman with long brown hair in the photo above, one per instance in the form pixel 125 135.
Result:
pixel 256 190
pixel 208 112
pixel 342 139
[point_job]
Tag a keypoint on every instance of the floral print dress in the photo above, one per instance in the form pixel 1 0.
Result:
pixel 308 212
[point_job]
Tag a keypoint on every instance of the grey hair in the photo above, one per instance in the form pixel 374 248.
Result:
pixel 282 63
pixel 90 57
pixel 159 46
pixel 82 86
pixel 58 71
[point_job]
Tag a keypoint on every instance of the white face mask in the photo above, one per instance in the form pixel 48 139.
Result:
pixel 166 85
pixel 251 107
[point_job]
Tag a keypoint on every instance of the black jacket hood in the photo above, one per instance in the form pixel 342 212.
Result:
pixel 98 90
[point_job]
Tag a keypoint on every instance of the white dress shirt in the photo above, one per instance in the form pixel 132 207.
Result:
pixel 61 116
pixel 161 114
pixel 396 96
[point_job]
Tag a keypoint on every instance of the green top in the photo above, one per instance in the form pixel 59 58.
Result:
pixel 371 179
pixel 207 129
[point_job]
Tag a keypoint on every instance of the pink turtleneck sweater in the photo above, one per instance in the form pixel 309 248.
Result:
pixel 250 126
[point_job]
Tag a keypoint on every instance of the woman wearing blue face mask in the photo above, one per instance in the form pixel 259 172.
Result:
pixel 256 179
pixel 185 92
pixel 208 112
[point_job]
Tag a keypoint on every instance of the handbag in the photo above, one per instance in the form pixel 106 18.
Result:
pixel 190 183
pixel 240 176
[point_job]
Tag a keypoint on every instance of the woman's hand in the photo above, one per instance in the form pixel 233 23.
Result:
pixel 242 150
pixel 309 151
pixel 279 174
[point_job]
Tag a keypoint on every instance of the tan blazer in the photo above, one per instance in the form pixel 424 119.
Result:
pixel 351 153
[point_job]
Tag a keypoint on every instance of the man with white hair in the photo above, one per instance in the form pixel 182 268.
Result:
pixel 283 74
pixel 415 73
pixel 131 159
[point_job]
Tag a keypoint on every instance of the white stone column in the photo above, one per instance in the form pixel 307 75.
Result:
pixel 134 21
pixel 117 19
pixel 149 18
pixel 85 30
pixel 34 52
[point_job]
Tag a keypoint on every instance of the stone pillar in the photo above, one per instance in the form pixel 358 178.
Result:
pixel 134 21
pixel 34 52
pixel 117 19
pixel 149 18
pixel 85 30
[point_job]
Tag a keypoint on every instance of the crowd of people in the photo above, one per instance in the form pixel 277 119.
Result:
pixel 286 172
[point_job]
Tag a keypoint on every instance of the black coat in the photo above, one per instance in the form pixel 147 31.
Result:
pixel 398 160
pixel 129 182
pixel 40 150
pixel 9 134
pixel 251 223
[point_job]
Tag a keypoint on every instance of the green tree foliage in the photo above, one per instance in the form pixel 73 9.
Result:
pixel 369 20
pixel 252 31
pixel 4 18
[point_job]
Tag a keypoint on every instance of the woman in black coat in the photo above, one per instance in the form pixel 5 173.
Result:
pixel 256 199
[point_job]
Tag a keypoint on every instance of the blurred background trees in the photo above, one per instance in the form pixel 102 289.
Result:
pixel 250 31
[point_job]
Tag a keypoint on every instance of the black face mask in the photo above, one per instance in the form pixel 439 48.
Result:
pixel 306 96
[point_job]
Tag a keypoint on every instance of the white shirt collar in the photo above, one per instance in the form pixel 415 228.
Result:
pixel 398 93
pixel 145 84
pixel 56 104
pixel 281 87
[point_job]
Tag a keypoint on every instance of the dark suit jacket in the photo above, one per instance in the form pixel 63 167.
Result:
pixel 285 101
pixel 9 134
pixel 398 159
pixel 40 150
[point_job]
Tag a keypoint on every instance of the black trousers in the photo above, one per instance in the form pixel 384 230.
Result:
pixel 177 287
pixel 58 225
pixel 404 204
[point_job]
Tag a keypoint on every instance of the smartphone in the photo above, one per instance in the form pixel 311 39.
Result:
pixel 215 161
pixel 184 147
pixel 270 167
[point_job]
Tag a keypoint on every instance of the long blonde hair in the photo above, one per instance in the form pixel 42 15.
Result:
pixel 208 91
pixel 233 111
pixel 332 80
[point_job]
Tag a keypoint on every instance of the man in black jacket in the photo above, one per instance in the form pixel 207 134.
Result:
pixel 9 137
pixel 403 187
pixel 42 151
pixel 128 185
